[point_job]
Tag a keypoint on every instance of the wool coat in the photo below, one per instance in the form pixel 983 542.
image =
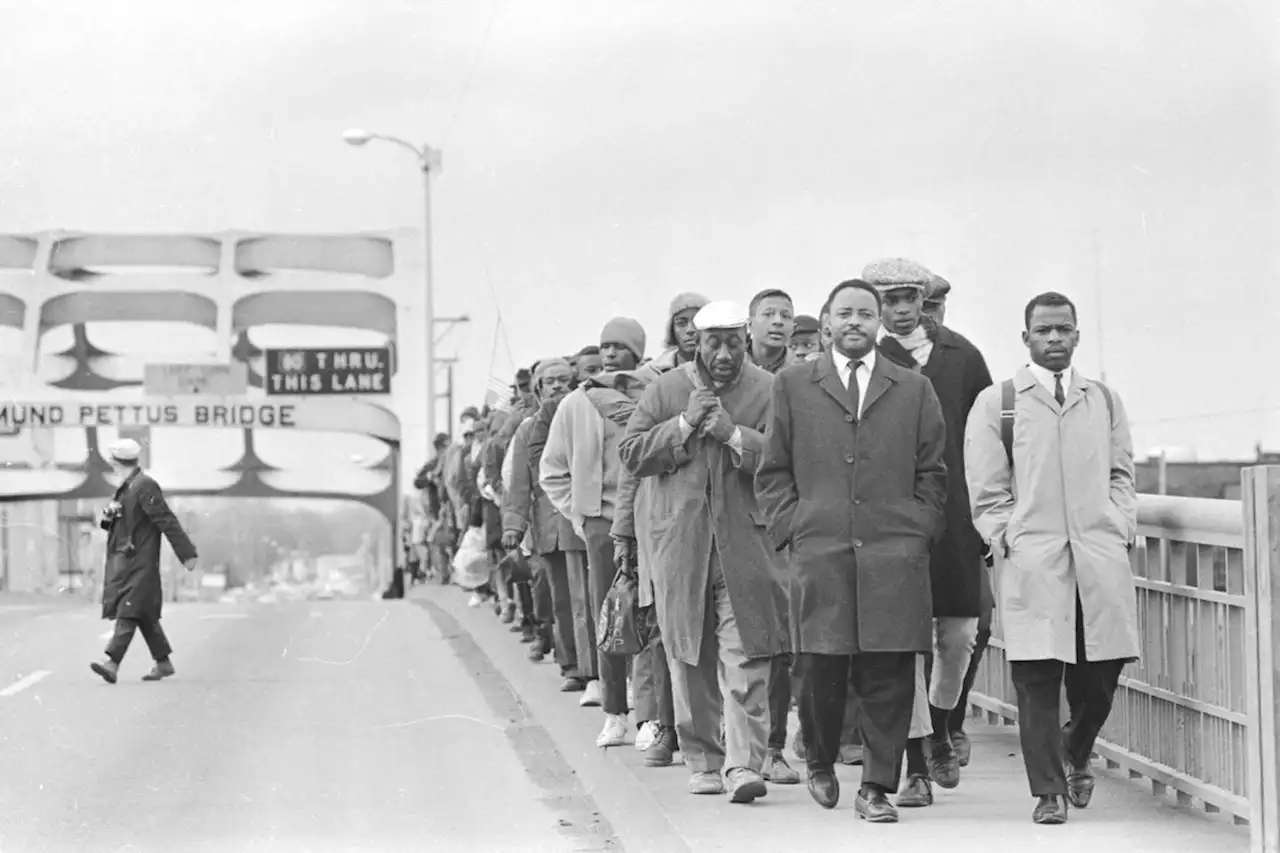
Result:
pixel 131 586
pixel 703 497
pixel 1061 522
pixel 858 501
pixel 958 373
pixel 526 508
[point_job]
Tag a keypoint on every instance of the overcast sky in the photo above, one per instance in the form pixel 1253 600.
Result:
pixel 600 157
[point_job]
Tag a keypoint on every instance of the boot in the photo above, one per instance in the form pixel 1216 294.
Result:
pixel 162 669
pixel 108 669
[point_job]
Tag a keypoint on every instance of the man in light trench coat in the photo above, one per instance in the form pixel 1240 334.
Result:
pixel 1060 512
pixel 697 433
pixel 853 479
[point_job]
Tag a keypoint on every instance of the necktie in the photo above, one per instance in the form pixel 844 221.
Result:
pixel 1057 389
pixel 855 394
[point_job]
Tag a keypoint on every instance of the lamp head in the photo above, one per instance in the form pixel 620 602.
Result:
pixel 356 136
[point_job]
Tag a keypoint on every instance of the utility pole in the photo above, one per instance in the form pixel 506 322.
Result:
pixel 448 394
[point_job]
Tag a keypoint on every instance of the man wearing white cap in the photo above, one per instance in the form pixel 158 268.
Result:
pixel 697 433
pixel 132 594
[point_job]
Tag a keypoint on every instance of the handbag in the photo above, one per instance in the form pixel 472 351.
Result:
pixel 618 627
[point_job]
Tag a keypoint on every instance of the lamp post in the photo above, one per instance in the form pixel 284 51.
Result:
pixel 429 161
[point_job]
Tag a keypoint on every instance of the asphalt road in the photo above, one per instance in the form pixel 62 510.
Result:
pixel 420 725
pixel 325 726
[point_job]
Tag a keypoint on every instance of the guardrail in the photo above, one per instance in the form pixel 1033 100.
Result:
pixel 1197 714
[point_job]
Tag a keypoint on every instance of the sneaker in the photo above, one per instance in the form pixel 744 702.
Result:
pixel 614 732
pixel 661 753
pixel 706 782
pixel 646 734
pixel 591 696
pixel 918 793
pixel 745 785
pixel 475 600
pixel 777 771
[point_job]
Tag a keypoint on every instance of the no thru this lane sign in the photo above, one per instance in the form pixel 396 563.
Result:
pixel 350 370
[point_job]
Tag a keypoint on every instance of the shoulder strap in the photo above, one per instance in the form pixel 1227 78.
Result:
pixel 1007 404
pixel 1111 406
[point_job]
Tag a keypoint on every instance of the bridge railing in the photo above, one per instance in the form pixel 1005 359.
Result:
pixel 1196 715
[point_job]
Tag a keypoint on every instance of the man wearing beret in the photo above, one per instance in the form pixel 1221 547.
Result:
pixel 579 474
pixel 718 587
pixel 958 373
pixel 132 593
pixel 853 481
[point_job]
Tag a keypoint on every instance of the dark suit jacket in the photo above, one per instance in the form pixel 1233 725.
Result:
pixel 859 503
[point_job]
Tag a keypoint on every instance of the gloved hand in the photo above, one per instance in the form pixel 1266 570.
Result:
pixel 511 539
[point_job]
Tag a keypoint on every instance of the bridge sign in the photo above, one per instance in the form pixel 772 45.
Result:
pixel 329 371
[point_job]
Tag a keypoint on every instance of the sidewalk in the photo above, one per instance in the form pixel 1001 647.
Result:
pixel 990 811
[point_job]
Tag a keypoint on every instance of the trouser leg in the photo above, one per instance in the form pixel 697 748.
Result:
pixel 699 704
pixel 954 638
pixel 1091 689
pixel 562 622
pixel 543 611
pixel 662 677
pixel 644 675
pixel 1038 684
pixel 121 636
pixel 524 594
pixel 744 684
pixel 584 623
pixel 850 732
pixel 920 724
pixel 600 572
pixel 987 612
pixel 885 684
pixel 825 685
pixel 779 700
pixel 157 643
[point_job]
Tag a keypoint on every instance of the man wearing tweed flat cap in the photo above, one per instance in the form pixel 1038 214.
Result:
pixel 958 373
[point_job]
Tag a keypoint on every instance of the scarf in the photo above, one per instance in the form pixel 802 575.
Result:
pixel 919 343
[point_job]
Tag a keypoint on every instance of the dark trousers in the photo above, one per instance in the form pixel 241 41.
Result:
pixel 654 701
pixel 556 576
pixel 1091 688
pixel 152 634
pixel 780 692
pixel 544 616
pixel 528 605
pixel 600 572
pixel 885 684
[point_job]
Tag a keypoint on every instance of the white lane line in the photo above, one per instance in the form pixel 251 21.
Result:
pixel 23 683
pixel 225 616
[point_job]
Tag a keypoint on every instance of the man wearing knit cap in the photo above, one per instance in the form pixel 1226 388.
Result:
pixel 579 474
pixel 696 435
pixel 958 373
pixel 132 592
pixel 529 520
pixel 681 339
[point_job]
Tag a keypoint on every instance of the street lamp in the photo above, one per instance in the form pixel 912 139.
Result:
pixel 429 161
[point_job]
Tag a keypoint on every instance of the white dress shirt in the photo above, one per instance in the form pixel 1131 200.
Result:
pixel 864 366
pixel 1046 377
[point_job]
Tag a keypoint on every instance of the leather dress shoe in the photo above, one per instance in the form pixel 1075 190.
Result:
pixel 824 787
pixel 874 807
pixel 918 794
pixel 1079 785
pixel 1050 811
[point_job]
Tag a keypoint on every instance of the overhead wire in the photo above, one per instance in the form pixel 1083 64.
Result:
pixel 471 74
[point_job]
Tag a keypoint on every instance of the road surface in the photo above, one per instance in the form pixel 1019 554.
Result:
pixel 325 726
pixel 419 725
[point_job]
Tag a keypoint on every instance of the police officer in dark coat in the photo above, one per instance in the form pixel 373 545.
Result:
pixel 132 594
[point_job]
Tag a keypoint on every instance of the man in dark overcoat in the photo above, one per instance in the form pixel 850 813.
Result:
pixel 132 594
pixel 718 589
pixel 853 479
pixel 958 373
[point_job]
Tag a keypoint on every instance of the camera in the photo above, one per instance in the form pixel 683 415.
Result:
pixel 112 511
